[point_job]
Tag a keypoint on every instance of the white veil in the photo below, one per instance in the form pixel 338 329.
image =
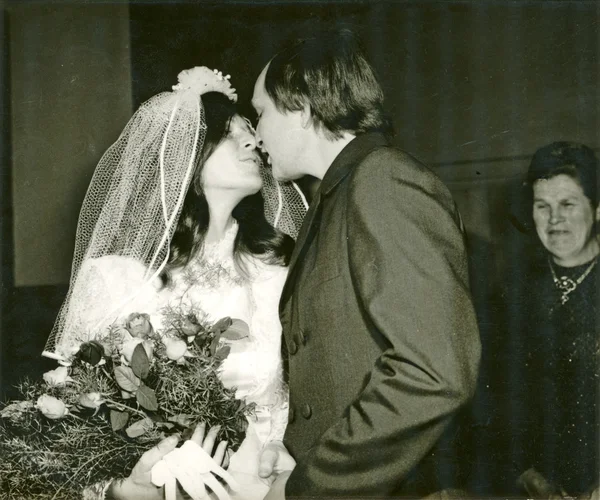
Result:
pixel 135 196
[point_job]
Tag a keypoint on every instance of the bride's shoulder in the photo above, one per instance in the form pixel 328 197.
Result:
pixel 113 267
pixel 263 271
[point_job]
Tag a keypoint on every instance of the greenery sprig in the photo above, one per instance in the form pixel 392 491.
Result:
pixel 121 394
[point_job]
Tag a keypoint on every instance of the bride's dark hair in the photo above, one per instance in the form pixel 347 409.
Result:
pixel 255 235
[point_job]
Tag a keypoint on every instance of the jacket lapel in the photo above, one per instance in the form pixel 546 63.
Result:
pixel 305 236
pixel 353 153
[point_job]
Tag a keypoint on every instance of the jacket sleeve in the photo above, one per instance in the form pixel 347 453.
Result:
pixel 408 266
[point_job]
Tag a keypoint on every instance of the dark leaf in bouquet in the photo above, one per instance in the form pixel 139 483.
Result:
pixel 222 353
pixel 91 352
pixel 118 419
pixel 140 364
pixel 139 428
pixel 126 394
pixel 215 343
pixel 146 397
pixel 201 339
pixel 241 407
pixel 189 326
pixel 126 378
pixel 237 330
pixel 221 325
pixel 183 419
pixel 156 418
pixel 242 424
pixel 165 425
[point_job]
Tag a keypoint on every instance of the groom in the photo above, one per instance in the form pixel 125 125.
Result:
pixel 380 337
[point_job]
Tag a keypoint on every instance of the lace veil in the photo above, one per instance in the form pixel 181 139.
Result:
pixel 134 200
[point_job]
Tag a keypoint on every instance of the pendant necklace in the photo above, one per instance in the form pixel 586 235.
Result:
pixel 565 284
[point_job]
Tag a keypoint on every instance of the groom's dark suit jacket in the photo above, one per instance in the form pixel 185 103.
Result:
pixel 380 337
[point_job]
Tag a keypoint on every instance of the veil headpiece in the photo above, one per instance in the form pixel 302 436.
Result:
pixel 135 197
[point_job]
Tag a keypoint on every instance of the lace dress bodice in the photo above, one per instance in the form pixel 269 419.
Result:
pixel 253 366
pixel 112 287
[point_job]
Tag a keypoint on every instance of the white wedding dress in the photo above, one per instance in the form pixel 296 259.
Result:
pixel 212 283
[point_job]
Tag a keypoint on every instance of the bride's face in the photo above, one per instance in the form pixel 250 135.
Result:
pixel 234 164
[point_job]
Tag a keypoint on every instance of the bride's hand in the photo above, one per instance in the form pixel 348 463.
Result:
pixel 138 486
pixel 207 443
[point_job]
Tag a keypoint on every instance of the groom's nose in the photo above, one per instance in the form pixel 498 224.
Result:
pixel 259 141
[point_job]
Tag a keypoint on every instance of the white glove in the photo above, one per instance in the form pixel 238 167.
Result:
pixel 193 468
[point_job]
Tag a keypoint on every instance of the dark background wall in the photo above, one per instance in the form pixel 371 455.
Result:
pixel 474 89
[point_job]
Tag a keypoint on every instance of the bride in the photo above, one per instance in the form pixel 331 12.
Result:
pixel 180 212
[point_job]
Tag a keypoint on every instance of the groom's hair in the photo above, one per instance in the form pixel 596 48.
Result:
pixel 330 73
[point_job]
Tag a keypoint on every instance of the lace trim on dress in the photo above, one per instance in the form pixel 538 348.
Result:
pixel 214 264
pixel 266 331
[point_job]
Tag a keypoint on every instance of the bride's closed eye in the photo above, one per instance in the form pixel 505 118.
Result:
pixel 250 126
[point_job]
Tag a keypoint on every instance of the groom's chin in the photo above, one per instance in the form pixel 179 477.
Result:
pixel 279 175
pixel 282 175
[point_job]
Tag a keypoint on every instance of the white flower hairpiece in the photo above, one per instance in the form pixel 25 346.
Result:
pixel 202 80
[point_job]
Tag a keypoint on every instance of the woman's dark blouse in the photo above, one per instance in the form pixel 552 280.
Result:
pixel 552 376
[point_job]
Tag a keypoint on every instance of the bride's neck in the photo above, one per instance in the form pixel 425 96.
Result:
pixel 220 216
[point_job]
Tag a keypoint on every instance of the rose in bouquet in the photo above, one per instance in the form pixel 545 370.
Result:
pixel 91 418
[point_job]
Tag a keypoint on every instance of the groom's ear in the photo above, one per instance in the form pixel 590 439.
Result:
pixel 306 117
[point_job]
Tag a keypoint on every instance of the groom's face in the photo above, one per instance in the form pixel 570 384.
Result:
pixel 281 134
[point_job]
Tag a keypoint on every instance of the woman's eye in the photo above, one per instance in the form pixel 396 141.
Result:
pixel 249 127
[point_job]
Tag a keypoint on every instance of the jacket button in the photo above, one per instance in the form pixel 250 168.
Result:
pixel 291 415
pixel 293 347
pixel 303 337
pixel 306 411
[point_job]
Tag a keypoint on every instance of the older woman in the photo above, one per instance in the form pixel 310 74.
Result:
pixel 555 412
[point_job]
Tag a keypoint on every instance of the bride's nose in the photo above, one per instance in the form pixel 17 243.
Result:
pixel 249 141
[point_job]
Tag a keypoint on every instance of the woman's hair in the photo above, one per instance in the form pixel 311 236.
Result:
pixel 569 158
pixel 255 235
pixel 331 75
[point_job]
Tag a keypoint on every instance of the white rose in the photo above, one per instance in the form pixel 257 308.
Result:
pixel 138 325
pixel 176 348
pixel 51 407
pixel 91 400
pixel 58 377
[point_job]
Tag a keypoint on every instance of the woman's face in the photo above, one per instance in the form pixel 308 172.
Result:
pixel 564 220
pixel 234 164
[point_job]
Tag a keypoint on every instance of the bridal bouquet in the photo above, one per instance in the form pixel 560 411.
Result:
pixel 93 416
